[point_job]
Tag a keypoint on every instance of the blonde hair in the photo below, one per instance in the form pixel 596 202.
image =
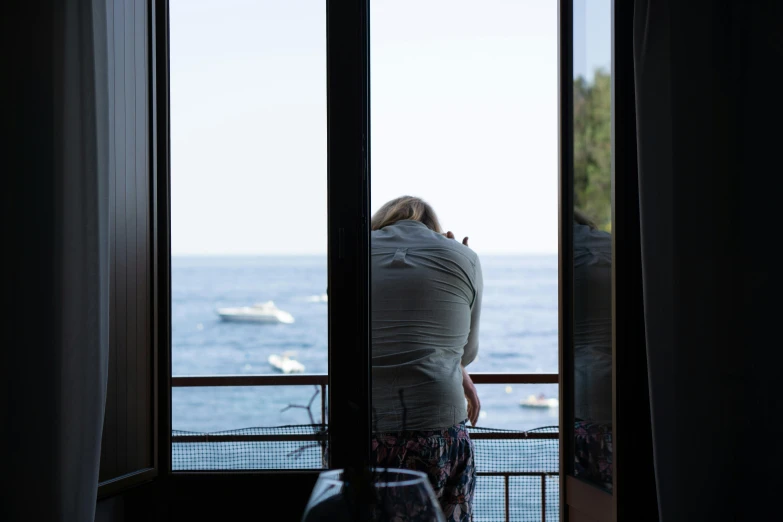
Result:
pixel 405 207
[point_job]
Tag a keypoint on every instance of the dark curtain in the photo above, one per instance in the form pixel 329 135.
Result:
pixel 708 100
pixel 55 257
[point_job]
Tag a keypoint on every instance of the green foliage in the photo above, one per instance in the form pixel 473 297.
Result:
pixel 593 148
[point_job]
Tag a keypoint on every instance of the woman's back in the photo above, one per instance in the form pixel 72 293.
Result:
pixel 426 292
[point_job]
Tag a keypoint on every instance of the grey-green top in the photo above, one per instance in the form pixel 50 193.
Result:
pixel 426 304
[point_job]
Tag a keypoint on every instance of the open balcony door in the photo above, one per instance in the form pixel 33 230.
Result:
pixel 150 489
pixel 604 396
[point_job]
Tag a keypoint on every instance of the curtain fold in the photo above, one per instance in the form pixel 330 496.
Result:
pixel 56 337
pixel 708 113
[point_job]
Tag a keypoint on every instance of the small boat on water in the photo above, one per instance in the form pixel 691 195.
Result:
pixel 539 402
pixel 285 364
pixel 258 313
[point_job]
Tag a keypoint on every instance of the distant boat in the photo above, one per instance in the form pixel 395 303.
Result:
pixel 539 402
pixel 258 313
pixel 323 298
pixel 285 364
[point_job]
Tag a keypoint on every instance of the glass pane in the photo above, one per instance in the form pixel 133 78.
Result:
pixel 464 116
pixel 592 242
pixel 248 228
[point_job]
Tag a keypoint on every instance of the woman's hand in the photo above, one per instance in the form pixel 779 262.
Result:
pixel 474 404
pixel 450 235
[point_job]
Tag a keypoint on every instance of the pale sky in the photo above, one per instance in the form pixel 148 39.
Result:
pixel 464 115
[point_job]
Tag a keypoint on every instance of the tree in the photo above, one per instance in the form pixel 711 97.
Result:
pixel 593 148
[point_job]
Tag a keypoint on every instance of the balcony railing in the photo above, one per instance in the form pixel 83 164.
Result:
pixel 317 435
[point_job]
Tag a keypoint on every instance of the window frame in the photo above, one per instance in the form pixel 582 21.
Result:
pixel 565 242
pixel 633 492
pixel 577 497
pixel 348 193
pixel 348 136
pixel 122 483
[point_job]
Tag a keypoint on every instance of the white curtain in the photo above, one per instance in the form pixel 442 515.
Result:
pixel 55 356
pixel 708 118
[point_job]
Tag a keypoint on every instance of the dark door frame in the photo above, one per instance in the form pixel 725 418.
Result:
pixel 565 53
pixel 194 495
pixel 348 123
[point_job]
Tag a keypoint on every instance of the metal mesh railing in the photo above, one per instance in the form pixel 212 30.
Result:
pixel 517 474
pixel 517 471
pixel 282 447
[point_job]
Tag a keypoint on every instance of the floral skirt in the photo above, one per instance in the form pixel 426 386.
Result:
pixel 594 453
pixel 446 456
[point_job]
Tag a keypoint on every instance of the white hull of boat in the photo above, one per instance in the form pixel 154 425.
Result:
pixel 539 403
pixel 285 364
pixel 265 313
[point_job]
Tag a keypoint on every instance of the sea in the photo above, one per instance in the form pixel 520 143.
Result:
pixel 518 334
pixel 519 322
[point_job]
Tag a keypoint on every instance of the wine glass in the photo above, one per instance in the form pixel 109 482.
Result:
pixel 376 494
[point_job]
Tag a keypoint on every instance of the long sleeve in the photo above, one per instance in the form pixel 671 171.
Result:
pixel 472 346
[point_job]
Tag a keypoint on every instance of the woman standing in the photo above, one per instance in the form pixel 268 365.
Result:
pixel 426 304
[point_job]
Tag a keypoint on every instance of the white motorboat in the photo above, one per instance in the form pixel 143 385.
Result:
pixel 258 313
pixel 539 402
pixel 285 364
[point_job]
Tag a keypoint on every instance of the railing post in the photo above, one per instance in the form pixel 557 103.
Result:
pixel 323 442
pixel 323 405
pixel 508 510
pixel 543 498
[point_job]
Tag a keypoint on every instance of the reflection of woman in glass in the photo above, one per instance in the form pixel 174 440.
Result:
pixel 593 350
pixel 426 302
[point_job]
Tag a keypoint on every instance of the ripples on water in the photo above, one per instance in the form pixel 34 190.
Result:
pixel 518 334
